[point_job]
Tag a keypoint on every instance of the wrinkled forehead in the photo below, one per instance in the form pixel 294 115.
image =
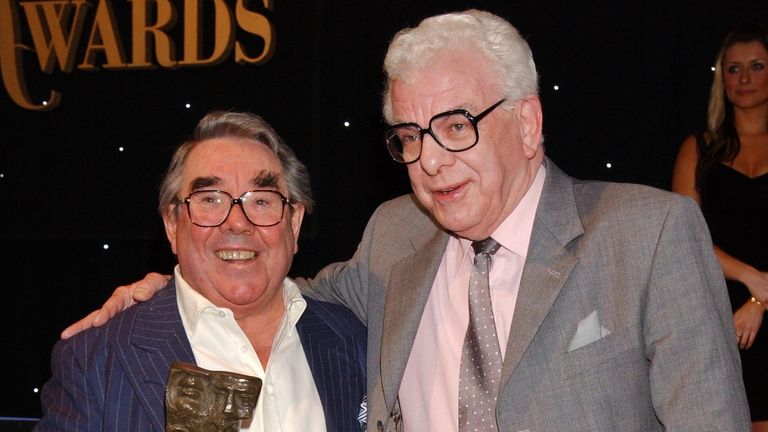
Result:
pixel 235 382
pixel 457 79
pixel 189 379
pixel 232 162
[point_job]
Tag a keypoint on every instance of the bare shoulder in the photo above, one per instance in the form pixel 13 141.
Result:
pixel 688 152
pixel 684 174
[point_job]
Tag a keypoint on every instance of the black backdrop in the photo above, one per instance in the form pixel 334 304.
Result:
pixel 633 78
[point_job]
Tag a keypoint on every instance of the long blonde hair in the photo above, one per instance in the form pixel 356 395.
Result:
pixel 720 142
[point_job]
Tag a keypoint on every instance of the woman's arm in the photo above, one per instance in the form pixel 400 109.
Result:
pixel 684 174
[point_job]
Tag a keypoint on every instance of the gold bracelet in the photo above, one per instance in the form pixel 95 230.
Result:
pixel 754 300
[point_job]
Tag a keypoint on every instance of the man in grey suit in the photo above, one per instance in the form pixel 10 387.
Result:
pixel 610 309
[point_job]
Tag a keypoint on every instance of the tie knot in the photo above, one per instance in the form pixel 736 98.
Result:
pixel 486 246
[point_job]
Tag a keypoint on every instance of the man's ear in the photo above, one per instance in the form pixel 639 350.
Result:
pixel 531 121
pixel 297 215
pixel 170 219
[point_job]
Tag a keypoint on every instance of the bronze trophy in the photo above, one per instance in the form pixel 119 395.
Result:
pixel 201 400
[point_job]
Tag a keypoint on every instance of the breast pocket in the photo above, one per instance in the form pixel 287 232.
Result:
pixel 606 353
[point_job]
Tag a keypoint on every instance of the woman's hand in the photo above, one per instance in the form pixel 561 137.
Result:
pixel 747 320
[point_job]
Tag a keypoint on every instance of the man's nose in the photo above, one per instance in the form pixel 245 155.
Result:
pixel 236 220
pixel 433 155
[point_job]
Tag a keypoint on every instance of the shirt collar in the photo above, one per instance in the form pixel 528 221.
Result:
pixel 514 233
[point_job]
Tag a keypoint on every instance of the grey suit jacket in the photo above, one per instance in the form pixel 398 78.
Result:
pixel 631 267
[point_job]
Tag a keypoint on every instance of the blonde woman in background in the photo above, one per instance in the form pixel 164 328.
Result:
pixel 725 169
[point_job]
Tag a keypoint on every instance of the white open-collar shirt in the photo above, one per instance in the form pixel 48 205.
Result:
pixel 289 400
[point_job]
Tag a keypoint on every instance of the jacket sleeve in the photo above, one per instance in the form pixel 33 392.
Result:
pixel 71 400
pixel 347 283
pixel 695 370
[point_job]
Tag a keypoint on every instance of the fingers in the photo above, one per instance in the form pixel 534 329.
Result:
pixel 122 298
pixel 745 338
pixel 119 300
pixel 79 326
pixel 750 340
pixel 144 289
pixel 741 339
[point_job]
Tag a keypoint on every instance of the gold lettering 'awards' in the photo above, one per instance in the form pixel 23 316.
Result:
pixel 82 34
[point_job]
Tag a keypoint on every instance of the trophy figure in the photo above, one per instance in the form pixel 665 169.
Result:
pixel 201 400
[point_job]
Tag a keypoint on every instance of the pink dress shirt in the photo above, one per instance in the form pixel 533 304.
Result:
pixel 429 392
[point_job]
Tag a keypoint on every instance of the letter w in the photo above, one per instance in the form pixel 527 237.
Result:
pixel 53 31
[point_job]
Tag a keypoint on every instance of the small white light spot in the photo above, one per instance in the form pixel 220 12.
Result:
pixel 712 68
pixel 121 148
pixel 556 87
pixel 45 103
pixel 188 106
pixel 346 124
pixel 2 175
pixel 608 165
pixel 105 246
pixel 35 390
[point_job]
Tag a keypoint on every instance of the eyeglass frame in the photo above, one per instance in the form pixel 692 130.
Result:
pixel 473 119
pixel 232 201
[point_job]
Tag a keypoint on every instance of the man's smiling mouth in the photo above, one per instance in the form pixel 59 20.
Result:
pixel 235 255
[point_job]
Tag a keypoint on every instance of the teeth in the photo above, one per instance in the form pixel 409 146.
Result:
pixel 235 255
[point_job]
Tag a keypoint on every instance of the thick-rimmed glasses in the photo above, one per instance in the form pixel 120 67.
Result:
pixel 454 130
pixel 210 208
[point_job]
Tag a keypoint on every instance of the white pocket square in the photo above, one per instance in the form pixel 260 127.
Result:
pixel 589 330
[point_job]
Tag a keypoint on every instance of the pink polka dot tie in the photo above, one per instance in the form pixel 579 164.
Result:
pixel 480 372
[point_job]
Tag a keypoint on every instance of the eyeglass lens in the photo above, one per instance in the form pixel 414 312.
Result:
pixel 211 208
pixel 453 131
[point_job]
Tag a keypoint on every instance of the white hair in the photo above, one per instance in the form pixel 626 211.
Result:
pixel 508 53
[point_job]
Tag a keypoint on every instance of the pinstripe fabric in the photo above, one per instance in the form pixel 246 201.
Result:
pixel 112 378
pixel 334 343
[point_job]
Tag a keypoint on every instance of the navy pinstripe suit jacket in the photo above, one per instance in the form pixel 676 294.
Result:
pixel 112 378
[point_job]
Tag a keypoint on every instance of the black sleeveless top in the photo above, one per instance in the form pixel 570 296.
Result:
pixel 735 207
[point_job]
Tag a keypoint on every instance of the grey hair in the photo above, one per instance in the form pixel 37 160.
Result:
pixel 508 53
pixel 231 124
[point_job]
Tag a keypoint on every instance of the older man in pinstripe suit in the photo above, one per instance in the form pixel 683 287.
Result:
pixel 232 203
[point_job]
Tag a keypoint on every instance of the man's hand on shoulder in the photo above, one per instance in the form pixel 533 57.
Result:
pixel 123 297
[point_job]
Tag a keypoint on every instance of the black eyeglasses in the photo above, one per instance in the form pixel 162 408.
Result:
pixel 454 130
pixel 210 208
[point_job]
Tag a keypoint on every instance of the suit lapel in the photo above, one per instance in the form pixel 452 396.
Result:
pixel 156 340
pixel 337 372
pixel 547 266
pixel 409 286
